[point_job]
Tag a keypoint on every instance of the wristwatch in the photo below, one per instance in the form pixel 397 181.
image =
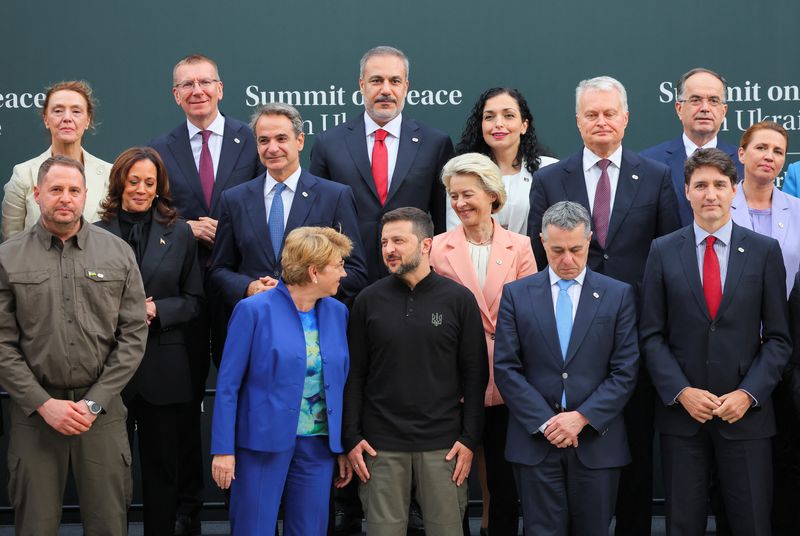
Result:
pixel 94 407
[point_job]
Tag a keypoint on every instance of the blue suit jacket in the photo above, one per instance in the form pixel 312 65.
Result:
pixel 340 154
pixel 238 163
pixel 791 181
pixel 645 207
pixel 260 381
pixel 745 347
pixel 598 374
pixel 673 154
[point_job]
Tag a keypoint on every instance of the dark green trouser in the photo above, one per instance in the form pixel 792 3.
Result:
pixel 39 459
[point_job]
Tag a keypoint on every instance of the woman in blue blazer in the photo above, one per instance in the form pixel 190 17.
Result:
pixel 278 409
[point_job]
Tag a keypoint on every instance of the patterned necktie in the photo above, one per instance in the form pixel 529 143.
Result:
pixel 712 286
pixel 564 323
pixel 380 164
pixel 602 204
pixel 206 168
pixel 275 220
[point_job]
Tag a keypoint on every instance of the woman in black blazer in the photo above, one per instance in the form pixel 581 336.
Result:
pixel 138 209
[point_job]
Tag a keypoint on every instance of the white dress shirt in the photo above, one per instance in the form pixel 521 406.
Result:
pixel 217 127
pixel 592 174
pixel 690 146
pixel 392 141
pixel 287 196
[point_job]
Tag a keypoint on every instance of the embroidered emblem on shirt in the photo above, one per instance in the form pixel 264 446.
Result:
pixel 436 319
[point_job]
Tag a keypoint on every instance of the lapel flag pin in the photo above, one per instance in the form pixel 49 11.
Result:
pixel 305 194
pixel 741 250
pixel 236 140
pixel 415 140
pixel 595 294
pixel 161 241
pixel 499 261
pixel 635 177
pixel 780 224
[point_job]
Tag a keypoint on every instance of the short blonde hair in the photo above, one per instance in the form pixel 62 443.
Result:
pixel 311 246
pixel 482 167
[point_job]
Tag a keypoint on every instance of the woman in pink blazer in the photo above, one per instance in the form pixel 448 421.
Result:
pixel 483 257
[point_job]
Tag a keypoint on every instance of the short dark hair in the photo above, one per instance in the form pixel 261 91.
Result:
pixel 697 70
pixel 710 158
pixel 420 220
pixel 59 160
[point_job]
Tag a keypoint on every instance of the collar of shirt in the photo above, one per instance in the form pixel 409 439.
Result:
pixel 290 182
pixel 723 234
pixel 392 127
pixel 554 279
pixel 590 159
pixel 46 237
pixel 217 126
pixel 690 146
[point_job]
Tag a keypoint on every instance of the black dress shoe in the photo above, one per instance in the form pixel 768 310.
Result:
pixel 345 525
pixel 186 526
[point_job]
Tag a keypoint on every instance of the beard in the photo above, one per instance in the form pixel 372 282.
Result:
pixel 409 265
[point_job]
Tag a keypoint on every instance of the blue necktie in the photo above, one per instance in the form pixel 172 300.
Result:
pixel 564 323
pixel 275 220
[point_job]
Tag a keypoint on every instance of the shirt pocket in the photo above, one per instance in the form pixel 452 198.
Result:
pixel 100 294
pixel 32 294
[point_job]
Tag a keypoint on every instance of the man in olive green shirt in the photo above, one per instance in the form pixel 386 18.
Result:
pixel 72 333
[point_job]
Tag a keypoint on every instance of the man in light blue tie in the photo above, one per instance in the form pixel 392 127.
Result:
pixel 566 360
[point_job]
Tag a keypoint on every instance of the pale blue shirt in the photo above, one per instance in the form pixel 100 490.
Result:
pixel 287 196
pixel 217 127
pixel 392 141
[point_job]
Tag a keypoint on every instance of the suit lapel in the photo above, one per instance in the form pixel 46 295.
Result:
pixel 410 141
pixel 501 258
pixel 182 153
pixel 302 202
pixel 541 295
pixel 627 189
pixel 356 141
pixel 675 160
pixel 737 258
pixel 688 253
pixel 574 181
pixel 588 305
pixel 229 154
pixel 780 219
pixel 159 242
pixel 254 205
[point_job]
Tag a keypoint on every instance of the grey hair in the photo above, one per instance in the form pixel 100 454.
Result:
pixel 482 167
pixel 567 215
pixel 382 50
pixel 698 70
pixel 279 108
pixel 601 83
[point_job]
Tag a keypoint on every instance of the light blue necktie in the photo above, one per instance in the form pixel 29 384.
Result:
pixel 275 220
pixel 564 323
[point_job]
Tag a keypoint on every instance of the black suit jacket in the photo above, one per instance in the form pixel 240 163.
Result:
pixel 238 163
pixel 171 275
pixel 746 346
pixel 340 154
pixel 645 208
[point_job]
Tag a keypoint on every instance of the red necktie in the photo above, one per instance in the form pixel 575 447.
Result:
pixel 380 165
pixel 206 168
pixel 602 204
pixel 712 286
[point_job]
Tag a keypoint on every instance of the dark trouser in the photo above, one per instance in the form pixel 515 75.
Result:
pixel 503 506
pixel 39 459
pixel 190 457
pixel 786 458
pixel 744 469
pixel 156 427
pixel 560 496
pixel 635 496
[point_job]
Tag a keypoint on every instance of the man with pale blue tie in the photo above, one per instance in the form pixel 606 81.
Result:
pixel 566 435
pixel 257 215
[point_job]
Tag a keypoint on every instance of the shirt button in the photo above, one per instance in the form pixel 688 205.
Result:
pixel 330 412
pixel 491 336
pixel 69 321
pixel 411 299
pixel 564 375
pixel 327 386
pixel 713 327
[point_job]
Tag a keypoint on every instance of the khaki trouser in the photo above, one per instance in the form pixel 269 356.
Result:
pixel 39 459
pixel 386 495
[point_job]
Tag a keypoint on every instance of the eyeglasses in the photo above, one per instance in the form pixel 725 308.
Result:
pixel 188 85
pixel 696 100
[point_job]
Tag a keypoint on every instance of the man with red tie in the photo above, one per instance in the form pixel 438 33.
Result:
pixel 714 335
pixel 388 160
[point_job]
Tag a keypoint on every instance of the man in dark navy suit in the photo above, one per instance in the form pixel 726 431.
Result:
pixel 389 161
pixel 204 155
pixel 631 201
pixel 566 357
pixel 715 336
pixel 253 223
pixel 701 108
